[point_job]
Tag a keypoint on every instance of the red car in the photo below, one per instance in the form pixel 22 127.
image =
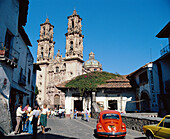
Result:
pixel 109 124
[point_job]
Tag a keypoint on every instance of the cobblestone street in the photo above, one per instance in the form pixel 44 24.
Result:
pixel 76 129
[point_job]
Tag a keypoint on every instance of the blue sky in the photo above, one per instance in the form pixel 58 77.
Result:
pixel 121 33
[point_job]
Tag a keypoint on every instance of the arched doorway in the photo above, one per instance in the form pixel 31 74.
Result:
pixel 56 101
pixel 145 101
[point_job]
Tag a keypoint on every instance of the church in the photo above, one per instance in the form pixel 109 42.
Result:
pixel 57 70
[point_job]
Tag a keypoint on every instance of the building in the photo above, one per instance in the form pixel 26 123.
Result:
pixel 162 68
pixel 16 61
pixel 115 94
pixel 58 69
pixel 143 80
pixel 152 81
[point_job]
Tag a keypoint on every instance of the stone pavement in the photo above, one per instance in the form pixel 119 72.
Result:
pixel 70 129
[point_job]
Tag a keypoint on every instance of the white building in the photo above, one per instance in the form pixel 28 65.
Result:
pixel 143 80
pixel 115 94
pixel 16 61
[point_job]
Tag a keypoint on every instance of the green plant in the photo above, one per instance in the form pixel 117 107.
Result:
pixel 89 82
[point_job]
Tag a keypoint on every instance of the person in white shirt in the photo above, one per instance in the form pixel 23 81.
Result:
pixel 35 114
pixel 19 113
pixel 43 118
pixel 30 116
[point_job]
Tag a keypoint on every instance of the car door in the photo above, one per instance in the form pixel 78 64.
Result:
pixel 164 129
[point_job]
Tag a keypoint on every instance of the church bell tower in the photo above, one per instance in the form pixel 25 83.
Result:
pixel 74 37
pixel 45 51
pixel 74 46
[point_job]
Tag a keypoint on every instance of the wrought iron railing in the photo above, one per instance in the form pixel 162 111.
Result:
pixel 12 54
pixel 165 50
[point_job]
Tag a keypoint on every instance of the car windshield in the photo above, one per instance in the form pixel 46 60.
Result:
pixel 110 116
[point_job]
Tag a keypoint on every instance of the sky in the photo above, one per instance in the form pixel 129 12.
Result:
pixel 121 33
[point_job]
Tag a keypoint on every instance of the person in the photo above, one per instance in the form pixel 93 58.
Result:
pixel 25 118
pixel 87 114
pixel 19 113
pixel 30 117
pixel 43 118
pixel 82 114
pixel 60 111
pixel 35 120
pixel 75 113
pixel 71 114
pixel 63 111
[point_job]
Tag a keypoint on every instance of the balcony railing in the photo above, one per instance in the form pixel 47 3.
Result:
pixel 22 80
pixel 11 54
pixel 165 50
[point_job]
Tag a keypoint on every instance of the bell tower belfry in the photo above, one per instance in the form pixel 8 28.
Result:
pixel 45 55
pixel 74 37
pixel 45 51
pixel 74 46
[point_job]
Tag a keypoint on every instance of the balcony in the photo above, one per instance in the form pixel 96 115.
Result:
pixel 22 80
pixel 10 56
pixel 165 50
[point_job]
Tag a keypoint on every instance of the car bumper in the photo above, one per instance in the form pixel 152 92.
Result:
pixel 112 133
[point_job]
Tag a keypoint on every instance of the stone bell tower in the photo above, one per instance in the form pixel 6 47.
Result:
pixel 45 51
pixel 74 46
pixel 45 55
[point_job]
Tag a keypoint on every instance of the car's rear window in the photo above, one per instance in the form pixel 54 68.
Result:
pixel 110 116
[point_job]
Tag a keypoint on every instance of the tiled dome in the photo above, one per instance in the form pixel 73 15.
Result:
pixel 92 62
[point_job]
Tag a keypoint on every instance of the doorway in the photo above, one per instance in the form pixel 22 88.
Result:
pixel 78 104
pixel 112 104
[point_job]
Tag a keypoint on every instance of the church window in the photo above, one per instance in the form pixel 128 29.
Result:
pixel 41 52
pixel 71 45
pixel 72 23
pixel 49 52
pixel 57 69
pixel 43 30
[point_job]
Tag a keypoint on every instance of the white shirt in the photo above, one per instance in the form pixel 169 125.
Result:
pixel 44 111
pixel 19 111
pixel 36 113
pixel 30 115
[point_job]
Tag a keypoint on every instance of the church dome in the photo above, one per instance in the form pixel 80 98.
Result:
pixel 92 64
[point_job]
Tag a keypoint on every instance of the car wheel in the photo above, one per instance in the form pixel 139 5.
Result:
pixel 149 135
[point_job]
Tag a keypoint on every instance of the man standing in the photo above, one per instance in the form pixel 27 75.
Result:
pixel 19 113
pixel 35 120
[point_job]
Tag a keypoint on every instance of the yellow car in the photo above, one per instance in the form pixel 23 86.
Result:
pixel 160 131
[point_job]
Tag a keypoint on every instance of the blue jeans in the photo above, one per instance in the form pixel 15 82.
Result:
pixel 75 115
pixel 30 130
pixel 87 117
pixel 25 126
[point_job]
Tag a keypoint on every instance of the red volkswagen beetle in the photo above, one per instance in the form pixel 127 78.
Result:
pixel 109 124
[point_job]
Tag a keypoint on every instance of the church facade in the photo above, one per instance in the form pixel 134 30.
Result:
pixel 57 69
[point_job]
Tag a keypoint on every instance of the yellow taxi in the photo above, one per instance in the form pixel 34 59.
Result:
pixel 160 131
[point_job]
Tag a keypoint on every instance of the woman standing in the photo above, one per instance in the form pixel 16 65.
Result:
pixel 30 115
pixel 43 118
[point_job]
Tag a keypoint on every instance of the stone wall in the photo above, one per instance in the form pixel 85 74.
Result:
pixel 136 121
pixel 5 121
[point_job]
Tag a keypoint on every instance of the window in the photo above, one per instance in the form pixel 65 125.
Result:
pixel 72 23
pixel 71 45
pixel 49 52
pixel 41 52
pixel 143 78
pixel 29 75
pixel 167 122
pixel 57 69
pixel 21 72
pixel 110 116
pixel 7 44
